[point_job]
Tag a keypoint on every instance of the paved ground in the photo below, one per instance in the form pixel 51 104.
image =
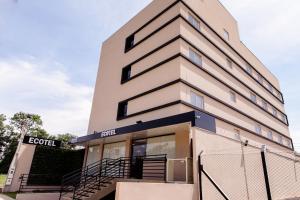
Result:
pixel 3 197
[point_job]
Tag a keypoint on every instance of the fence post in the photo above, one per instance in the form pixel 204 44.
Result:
pixel 200 169
pixel 123 168
pixel 120 167
pixel 165 168
pixel 265 170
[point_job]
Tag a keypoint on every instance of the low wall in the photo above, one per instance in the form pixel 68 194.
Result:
pixel 153 191
pixel 38 196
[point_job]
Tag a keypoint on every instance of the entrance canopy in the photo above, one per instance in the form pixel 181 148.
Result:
pixel 194 118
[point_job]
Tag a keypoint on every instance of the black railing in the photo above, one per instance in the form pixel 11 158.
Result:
pixel 39 182
pixel 84 182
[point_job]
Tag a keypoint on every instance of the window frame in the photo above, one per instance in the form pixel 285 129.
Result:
pixel 270 135
pixel 126 74
pixel 122 107
pixel 260 78
pixel 258 129
pixel 200 98
pixel 249 70
pixel 253 97
pixel 195 57
pixel 229 63
pixel 274 112
pixel 226 35
pixel 194 21
pixel 264 105
pixel 232 96
pixel 129 43
pixel 280 139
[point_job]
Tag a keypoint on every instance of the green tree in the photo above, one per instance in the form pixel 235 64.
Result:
pixel 30 124
pixel 66 138
pixel 3 136
pixel 8 155
pixel 8 144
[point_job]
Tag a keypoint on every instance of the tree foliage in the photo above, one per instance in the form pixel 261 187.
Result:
pixel 65 138
pixel 30 124
pixel 3 136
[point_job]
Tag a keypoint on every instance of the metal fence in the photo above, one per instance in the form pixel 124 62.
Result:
pixel 249 174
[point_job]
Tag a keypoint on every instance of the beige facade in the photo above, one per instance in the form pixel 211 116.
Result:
pixel 172 58
pixel 219 78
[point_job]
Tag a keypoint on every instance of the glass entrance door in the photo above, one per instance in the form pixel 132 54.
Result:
pixel 138 152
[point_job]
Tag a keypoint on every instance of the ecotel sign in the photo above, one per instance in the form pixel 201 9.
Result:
pixel 41 141
pixel 108 133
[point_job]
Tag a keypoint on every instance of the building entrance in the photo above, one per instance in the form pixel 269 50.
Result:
pixel 141 148
pixel 138 154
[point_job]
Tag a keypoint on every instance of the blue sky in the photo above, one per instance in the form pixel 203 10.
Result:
pixel 49 53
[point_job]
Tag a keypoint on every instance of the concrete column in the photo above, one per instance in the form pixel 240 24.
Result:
pixel 23 166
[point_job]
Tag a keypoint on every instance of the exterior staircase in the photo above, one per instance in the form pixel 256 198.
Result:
pixel 98 180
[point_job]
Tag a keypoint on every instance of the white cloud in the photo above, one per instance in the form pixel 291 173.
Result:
pixel 270 27
pixel 26 86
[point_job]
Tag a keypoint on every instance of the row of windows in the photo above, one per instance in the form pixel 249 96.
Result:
pixel 126 72
pixel 268 108
pixel 196 58
pixel 196 23
pixel 263 82
pixel 273 136
pixel 198 101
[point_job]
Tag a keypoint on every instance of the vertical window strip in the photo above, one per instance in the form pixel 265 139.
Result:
pixel 274 111
pixel 197 100
pixel 229 63
pixel 232 96
pixel 264 105
pixel 194 22
pixel 280 139
pixel 226 35
pixel 195 57
pixel 249 70
pixel 253 97
pixel 270 135
pixel 258 129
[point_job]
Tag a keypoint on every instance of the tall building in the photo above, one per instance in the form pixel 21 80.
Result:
pixel 176 80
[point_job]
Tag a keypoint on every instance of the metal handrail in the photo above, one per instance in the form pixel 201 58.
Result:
pixel 32 182
pixel 83 181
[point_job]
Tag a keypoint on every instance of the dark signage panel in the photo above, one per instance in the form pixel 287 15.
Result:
pixel 205 121
pixel 41 141
pixel 197 118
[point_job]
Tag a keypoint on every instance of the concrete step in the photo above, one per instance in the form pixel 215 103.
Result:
pixel 99 194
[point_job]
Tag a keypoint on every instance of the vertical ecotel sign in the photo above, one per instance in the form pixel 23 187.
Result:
pixel 41 141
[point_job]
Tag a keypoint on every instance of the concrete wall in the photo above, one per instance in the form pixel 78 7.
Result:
pixel 38 196
pixel 23 165
pixel 238 169
pixel 154 191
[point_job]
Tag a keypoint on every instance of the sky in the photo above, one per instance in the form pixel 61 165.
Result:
pixel 49 53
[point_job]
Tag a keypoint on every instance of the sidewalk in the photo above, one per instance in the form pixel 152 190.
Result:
pixel 3 197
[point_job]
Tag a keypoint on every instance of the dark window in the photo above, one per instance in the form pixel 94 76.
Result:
pixel 122 109
pixel 129 43
pixel 126 71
